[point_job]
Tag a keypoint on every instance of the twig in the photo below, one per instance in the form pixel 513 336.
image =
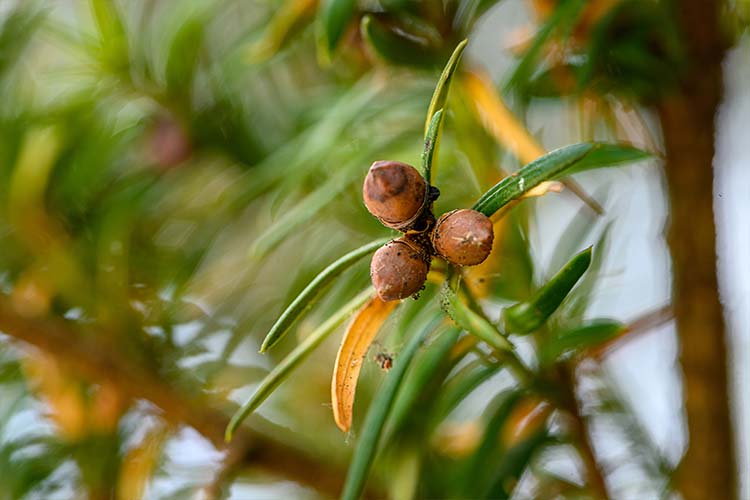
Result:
pixel 586 198
pixel 639 326
pixel 594 474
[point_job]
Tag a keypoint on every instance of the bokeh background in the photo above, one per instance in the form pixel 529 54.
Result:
pixel 172 174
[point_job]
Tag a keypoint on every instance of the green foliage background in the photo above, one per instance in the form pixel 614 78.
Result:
pixel 173 174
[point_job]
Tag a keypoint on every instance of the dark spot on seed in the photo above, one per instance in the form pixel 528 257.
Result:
pixel 386 183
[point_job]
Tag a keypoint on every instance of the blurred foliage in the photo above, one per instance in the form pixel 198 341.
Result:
pixel 174 174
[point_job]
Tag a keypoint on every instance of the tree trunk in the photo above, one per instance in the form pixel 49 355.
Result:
pixel 708 469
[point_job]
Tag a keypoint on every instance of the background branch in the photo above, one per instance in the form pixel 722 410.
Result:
pixel 90 356
pixel 593 472
pixel 687 117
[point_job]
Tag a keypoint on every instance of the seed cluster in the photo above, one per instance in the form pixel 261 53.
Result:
pixel 400 198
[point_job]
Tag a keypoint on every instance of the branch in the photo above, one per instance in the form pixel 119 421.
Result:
pixel 569 403
pixel 95 358
pixel 687 117
pixel 639 326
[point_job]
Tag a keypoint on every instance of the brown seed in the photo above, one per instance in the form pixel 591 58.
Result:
pixel 463 237
pixel 398 270
pixel 394 192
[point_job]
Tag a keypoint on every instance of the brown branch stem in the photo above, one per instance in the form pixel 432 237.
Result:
pixel 569 403
pixel 635 328
pixel 708 469
pixel 93 357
